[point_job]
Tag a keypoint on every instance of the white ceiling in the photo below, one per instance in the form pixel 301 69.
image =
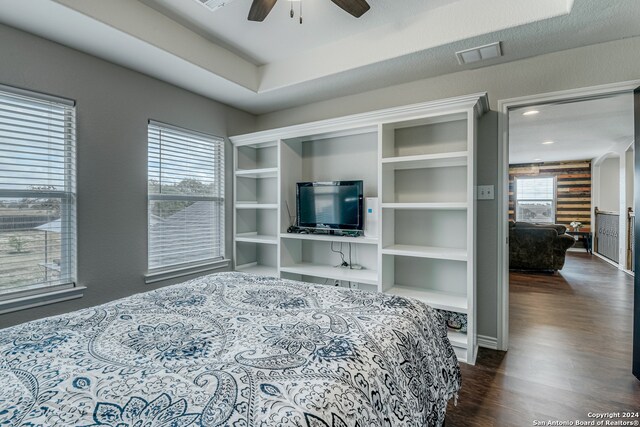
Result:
pixel 323 23
pixel 580 130
pixel 277 64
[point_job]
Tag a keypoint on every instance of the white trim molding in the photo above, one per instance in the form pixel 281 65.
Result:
pixel 608 261
pixel 356 122
pixel 41 298
pixel 504 106
pixel 488 342
pixel 180 271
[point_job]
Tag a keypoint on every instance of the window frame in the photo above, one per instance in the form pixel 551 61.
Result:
pixel 38 294
pixel 552 200
pixel 176 270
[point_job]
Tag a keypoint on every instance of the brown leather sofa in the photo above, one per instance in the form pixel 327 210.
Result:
pixel 538 246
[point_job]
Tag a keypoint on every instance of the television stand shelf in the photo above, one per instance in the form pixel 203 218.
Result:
pixel 362 240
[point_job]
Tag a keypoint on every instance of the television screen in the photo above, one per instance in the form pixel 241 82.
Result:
pixel 336 204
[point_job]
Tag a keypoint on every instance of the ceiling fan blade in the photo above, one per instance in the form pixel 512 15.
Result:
pixel 260 9
pixel 355 7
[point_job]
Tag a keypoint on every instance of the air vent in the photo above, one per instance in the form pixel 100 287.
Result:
pixel 479 53
pixel 213 4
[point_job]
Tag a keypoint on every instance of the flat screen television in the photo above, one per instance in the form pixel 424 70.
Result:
pixel 334 205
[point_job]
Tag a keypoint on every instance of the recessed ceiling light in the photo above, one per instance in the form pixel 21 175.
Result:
pixel 537 160
pixel 531 113
pixel 548 142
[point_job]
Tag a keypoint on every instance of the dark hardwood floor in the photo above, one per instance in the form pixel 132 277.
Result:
pixel 569 351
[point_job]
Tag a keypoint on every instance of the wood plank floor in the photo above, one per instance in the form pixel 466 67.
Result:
pixel 569 354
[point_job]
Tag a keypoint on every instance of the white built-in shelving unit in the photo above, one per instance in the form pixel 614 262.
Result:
pixel 418 160
pixel 427 182
pixel 256 207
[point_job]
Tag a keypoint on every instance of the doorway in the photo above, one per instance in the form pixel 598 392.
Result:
pixel 506 107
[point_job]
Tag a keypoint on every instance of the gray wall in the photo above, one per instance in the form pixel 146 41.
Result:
pixel 487 232
pixel 332 160
pixel 609 184
pixel 113 106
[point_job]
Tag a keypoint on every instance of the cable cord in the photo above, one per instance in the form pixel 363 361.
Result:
pixel 344 263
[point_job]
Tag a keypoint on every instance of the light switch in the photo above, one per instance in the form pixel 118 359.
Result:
pixel 485 192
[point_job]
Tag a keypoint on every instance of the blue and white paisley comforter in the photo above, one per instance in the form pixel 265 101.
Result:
pixel 232 349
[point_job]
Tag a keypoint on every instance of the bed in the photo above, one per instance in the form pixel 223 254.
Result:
pixel 232 349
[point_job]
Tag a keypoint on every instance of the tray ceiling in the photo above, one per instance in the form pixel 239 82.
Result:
pixel 277 64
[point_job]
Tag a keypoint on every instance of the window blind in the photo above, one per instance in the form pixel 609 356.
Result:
pixel 186 197
pixel 535 199
pixel 535 188
pixel 37 192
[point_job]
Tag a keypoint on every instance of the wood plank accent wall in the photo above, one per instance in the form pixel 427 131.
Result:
pixel 573 192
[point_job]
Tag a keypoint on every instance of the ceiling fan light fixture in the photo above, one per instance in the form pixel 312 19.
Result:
pixel 292 14
pixel 261 8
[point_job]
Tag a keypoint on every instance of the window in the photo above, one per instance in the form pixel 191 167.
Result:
pixel 535 199
pixel 37 193
pixel 186 197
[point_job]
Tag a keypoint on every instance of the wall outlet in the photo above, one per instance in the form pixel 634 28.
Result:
pixel 485 192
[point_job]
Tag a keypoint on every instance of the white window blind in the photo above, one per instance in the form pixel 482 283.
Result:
pixel 186 197
pixel 37 192
pixel 535 199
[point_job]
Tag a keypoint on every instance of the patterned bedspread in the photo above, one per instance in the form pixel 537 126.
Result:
pixel 232 349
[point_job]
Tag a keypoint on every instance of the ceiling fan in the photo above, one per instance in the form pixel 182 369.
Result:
pixel 261 8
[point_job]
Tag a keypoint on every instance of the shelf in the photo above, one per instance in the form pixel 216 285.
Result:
pixel 435 299
pixel 255 268
pixel 253 205
pixel 456 158
pixel 449 206
pixel 336 273
pixel 418 160
pixel 329 238
pixel 257 145
pixel 458 339
pixel 257 173
pixel 430 119
pixel 452 254
pixel 256 238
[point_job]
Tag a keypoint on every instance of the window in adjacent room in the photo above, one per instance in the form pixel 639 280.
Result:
pixel 186 197
pixel 37 193
pixel 535 199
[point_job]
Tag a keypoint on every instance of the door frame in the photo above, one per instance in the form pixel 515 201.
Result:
pixel 502 193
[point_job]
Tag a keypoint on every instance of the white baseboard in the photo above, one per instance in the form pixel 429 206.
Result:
pixel 578 250
pixel 605 259
pixel 488 342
